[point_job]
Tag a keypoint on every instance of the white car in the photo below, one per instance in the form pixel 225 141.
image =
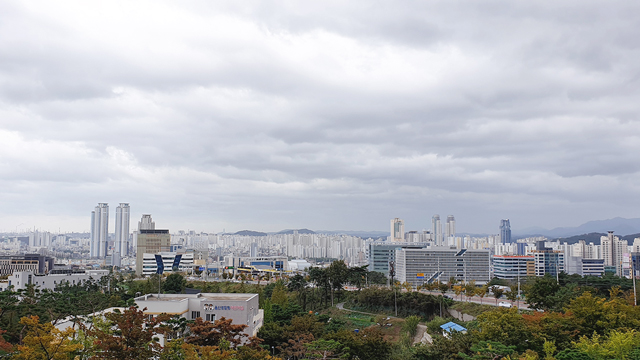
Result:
pixel 504 304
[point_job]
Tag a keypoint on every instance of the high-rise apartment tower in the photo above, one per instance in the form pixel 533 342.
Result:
pixel 613 251
pixel 450 230
pixel 436 230
pixel 397 230
pixel 99 231
pixel 123 216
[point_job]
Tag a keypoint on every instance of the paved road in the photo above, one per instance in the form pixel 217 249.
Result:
pixel 491 301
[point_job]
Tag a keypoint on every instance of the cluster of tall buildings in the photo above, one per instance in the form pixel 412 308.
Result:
pixel 416 253
pixel 436 235
pixel 437 253
pixel 99 238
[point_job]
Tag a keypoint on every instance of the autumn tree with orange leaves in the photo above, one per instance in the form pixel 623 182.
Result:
pixel 133 336
pixel 205 333
pixel 45 342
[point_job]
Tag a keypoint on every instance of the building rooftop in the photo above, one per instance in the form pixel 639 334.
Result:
pixel 211 296
pixel 452 326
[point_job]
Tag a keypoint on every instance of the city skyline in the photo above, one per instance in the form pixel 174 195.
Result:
pixel 231 116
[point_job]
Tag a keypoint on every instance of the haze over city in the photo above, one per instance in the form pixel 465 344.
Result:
pixel 332 115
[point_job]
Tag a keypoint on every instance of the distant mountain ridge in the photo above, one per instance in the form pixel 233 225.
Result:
pixel 300 231
pixel 620 226
pixel 360 233
pixel 250 233
pixel 365 234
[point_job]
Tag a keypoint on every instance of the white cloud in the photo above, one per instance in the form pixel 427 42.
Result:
pixel 333 115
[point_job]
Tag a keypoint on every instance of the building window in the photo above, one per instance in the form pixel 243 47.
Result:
pixel 195 314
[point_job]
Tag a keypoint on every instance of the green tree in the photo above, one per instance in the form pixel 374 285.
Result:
pixel 279 295
pixel 458 290
pixel 410 325
pixel 357 276
pixel 541 292
pixel 482 292
pixel 375 277
pixel 326 349
pixel 505 326
pixel 511 295
pixel 337 273
pixel 367 344
pixel 497 293
pixel 470 289
pixel 491 350
pixel 320 278
pixel 618 344
pixel 298 284
pixel 572 354
pixel 445 348
pixel 594 314
pixel 174 284
pixel 443 287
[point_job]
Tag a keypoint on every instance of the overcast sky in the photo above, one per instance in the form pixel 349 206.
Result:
pixel 268 115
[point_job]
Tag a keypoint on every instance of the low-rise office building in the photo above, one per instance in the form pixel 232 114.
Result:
pixel 21 279
pixel 241 308
pixel 592 267
pixel 420 266
pixel 513 267
pixel 548 261
pixel 380 253
pixel 37 263
pixel 166 262
pixel 261 263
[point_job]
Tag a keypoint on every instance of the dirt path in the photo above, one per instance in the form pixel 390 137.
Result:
pixel 340 306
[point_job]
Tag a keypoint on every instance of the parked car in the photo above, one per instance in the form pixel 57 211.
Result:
pixel 504 304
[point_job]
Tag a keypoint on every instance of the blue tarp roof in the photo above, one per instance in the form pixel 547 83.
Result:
pixel 452 326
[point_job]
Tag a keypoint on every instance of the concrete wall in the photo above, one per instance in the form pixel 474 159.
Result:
pixel 460 316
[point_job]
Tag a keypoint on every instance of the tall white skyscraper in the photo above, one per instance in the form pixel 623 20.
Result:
pixel 450 230
pixel 146 223
pixel 99 231
pixel 436 230
pixel 397 230
pixel 123 216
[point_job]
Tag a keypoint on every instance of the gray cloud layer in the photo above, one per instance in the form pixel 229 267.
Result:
pixel 272 114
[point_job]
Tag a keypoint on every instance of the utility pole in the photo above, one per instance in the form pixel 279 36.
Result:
pixel 392 273
pixel 518 298
pixel 442 296
pixel 633 275
pixel 557 272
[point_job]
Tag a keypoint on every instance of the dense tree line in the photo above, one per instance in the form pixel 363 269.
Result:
pixel 375 299
pixel 579 318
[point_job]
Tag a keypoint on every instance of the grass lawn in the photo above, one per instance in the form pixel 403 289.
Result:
pixel 470 308
pixel 390 328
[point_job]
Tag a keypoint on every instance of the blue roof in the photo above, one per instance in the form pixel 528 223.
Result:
pixel 452 326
